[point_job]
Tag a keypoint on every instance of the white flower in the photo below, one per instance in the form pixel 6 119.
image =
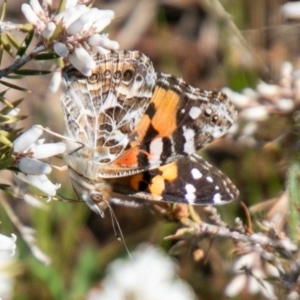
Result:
pixel 79 37
pixel 8 270
pixel 251 274
pixel 291 10
pixel 28 149
pixel 8 243
pixel 149 275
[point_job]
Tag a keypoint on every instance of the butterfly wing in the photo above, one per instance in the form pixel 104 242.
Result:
pixel 178 121
pixel 189 180
pixel 102 110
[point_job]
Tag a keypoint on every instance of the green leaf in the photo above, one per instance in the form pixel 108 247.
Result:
pixel 10 119
pixel 8 108
pixel 13 86
pixel 6 102
pixel 6 45
pixel 12 40
pixel 62 6
pixel 46 56
pixel 26 72
pixel 3 11
pixel 25 44
pixel 13 76
pixel 57 31
pixel 4 140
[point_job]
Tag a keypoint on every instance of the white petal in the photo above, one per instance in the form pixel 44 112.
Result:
pixel 36 7
pixel 77 25
pixel 48 30
pixel 8 243
pixel 26 139
pixel 55 81
pixel 61 49
pixel 101 24
pixel 100 40
pixel 70 3
pixel 236 285
pixel 100 50
pixel 48 150
pixel 43 183
pixel 30 15
pixel 78 11
pixel 82 61
pixel 256 113
pixel 32 166
pixel 291 10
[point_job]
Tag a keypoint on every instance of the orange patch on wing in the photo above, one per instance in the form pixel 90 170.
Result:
pixel 141 129
pixel 135 181
pixel 129 159
pixel 166 104
pixel 169 171
pixel 157 185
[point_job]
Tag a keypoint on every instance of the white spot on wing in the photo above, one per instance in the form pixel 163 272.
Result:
pixel 209 179
pixel 190 195
pixel 217 199
pixel 195 112
pixel 189 145
pixel 196 173
pixel 156 148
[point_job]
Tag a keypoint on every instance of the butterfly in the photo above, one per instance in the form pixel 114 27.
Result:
pixel 136 133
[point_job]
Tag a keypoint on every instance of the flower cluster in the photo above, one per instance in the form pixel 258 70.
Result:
pixel 28 150
pixel 77 37
pixel 139 279
pixel 252 273
pixel 256 105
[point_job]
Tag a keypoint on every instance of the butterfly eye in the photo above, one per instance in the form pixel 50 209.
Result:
pixel 93 78
pixel 127 75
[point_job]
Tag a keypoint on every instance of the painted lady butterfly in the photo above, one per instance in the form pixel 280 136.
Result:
pixel 137 132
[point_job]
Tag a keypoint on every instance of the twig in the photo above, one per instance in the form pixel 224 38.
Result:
pixel 18 63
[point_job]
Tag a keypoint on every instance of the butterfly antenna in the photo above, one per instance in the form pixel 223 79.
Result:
pixel 117 228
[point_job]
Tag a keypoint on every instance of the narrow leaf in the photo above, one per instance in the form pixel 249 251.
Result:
pixel 7 109
pixel 12 40
pixel 6 102
pixel 25 43
pixel 3 11
pixel 46 56
pixel 13 76
pixel 25 72
pixel 62 6
pixel 10 119
pixel 5 141
pixel 57 31
pixel 13 86
pixel 6 45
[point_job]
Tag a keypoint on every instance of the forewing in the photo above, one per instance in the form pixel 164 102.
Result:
pixel 179 120
pixel 103 109
pixel 189 180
